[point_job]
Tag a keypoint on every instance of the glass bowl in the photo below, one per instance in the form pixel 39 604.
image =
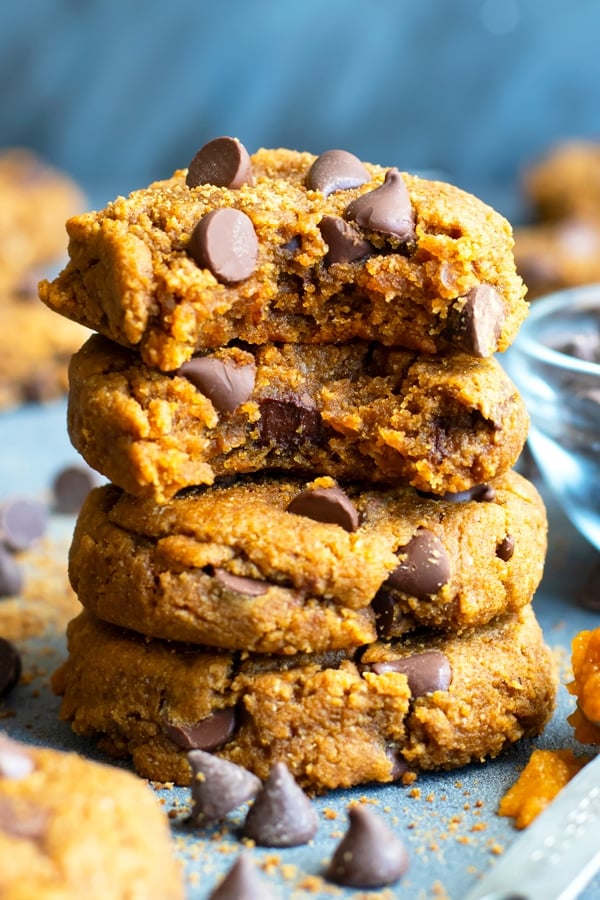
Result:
pixel 555 364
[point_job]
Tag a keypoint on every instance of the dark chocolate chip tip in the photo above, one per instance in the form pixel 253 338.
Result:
pixel 281 815
pixel 386 209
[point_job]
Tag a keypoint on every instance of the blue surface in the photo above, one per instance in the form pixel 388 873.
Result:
pixel 451 829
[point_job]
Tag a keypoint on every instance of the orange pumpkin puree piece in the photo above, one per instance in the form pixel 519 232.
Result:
pixel 546 773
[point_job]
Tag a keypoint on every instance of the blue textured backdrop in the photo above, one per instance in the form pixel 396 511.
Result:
pixel 123 91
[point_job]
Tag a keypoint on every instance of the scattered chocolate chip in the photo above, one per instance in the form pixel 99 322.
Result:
pixel 10 666
pixel 225 242
pixel 218 786
pixel 15 761
pixel 281 815
pixel 288 423
pixel 386 209
pixel 481 493
pixel 336 170
pixel 506 548
pixel 383 607
pixel 345 243
pixel 223 162
pixel 225 384
pixel 23 521
pixel 399 764
pixel 207 734
pixel 242 882
pixel 476 323
pixel 11 574
pixel 70 487
pixel 249 587
pixel 369 854
pixel 425 567
pixel 23 820
pixel 328 505
pixel 425 672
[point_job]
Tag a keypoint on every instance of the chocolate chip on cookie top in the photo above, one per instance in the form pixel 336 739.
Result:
pixel 424 567
pixel 223 162
pixel 336 170
pixel 387 208
pixel 425 672
pixel 224 241
pixel 225 384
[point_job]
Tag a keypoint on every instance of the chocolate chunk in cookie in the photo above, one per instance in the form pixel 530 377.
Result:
pixel 225 384
pixel 476 321
pixel 329 504
pixel 207 734
pixel 425 672
pixel 425 566
pixel 224 241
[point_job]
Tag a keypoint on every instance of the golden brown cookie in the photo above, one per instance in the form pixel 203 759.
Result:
pixel 36 201
pixel 555 255
pixel 353 411
pixel 337 719
pixel 72 828
pixel 296 248
pixel 271 565
pixel 565 182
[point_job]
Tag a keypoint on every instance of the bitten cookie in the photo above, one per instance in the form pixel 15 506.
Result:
pixel 336 719
pixel 286 246
pixel 73 828
pixel 352 411
pixel 277 566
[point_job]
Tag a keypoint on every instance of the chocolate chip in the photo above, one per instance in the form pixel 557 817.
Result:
pixel 15 761
pixel 383 607
pixel 369 854
pixel 425 567
pixel 218 786
pixel 10 666
pixel 11 574
pixel 288 423
pixel 481 493
pixel 225 242
pixel 425 672
pixel 223 162
pixel 345 242
pixel 476 323
pixel 328 505
pixel 336 170
pixel 225 384
pixel 281 815
pixel 242 882
pixel 22 522
pixel 207 734
pixel 70 487
pixel 386 209
pixel 506 548
pixel 399 764
pixel 249 587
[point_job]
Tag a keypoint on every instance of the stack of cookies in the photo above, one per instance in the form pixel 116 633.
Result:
pixel 312 548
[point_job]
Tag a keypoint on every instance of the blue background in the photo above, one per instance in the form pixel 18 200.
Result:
pixel 120 92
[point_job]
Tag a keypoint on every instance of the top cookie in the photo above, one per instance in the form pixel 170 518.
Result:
pixel 286 246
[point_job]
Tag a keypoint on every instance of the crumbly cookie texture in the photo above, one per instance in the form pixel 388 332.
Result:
pixel 72 828
pixel 35 349
pixel 36 201
pixel 353 411
pixel 299 249
pixel 235 566
pixel 429 702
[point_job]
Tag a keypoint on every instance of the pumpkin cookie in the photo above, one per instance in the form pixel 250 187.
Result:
pixel 337 719
pixel 277 566
pixel 287 246
pixel 73 828
pixel 352 411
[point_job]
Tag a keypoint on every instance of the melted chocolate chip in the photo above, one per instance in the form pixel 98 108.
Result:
pixel 218 786
pixel 225 384
pixel 70 488
pixel 425 672
pixel 224 241
pixel 399 764
pixel 476 324
pixel 11 574
pixel 386 209
pixel 249 587
pixel 281 815
pixel 22 522
pixel 425 567
pixel 336 170
pixel 383 607
pixel 242 882
pixel 481 493
pixel 506 548
pixel 328 505
pixel 289 423
pixel 15 761
pixel 223 162
pixel 207 734
pixel 345 242
pixel 10 666
pixel 369 855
